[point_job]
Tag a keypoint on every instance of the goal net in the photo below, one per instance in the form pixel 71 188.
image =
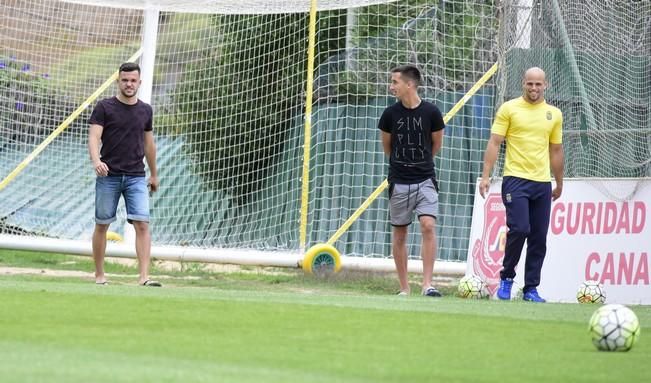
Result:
pixel 228 88
pixel 597 55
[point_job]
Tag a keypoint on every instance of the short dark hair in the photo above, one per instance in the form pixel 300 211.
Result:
pixel 409 72
pixel 129 67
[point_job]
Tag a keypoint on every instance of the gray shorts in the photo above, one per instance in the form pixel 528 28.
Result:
pixel 407 198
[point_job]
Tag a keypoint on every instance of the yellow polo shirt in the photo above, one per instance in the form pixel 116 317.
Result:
pixel 528 130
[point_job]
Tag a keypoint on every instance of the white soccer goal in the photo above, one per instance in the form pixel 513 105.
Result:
pixel 228 81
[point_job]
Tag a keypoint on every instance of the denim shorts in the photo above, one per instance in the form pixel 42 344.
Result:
pixel 107 195
pixel 405 199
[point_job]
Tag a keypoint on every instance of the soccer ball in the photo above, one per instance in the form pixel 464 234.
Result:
pixel 471 286
pixel 614 328
pixel 591 292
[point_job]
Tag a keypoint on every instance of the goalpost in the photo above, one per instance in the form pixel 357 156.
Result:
pixel 229 88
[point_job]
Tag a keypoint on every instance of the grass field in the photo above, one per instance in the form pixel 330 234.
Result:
pixel 261 327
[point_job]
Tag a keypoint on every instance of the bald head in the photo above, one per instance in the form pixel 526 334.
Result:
pixel 534 85
pixel 534 72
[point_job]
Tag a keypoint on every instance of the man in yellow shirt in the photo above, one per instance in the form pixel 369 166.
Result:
pixel 533 133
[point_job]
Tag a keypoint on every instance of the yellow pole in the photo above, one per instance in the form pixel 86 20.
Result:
pixel 358 212
pixel 308 125
pixel 14 173
pixel 489 73
pixel 448 116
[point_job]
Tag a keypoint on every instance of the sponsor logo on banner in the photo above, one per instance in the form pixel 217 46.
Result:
pixel 488 251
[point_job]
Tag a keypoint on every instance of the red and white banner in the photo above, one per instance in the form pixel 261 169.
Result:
pixel 591 236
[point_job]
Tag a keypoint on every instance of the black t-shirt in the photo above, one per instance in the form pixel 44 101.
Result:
pixel 411 141
pixel 123 137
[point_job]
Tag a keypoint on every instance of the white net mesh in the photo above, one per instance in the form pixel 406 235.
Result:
pixel 229 102
pixel 454 45
pixel 53 56
pixel 240 7
pixel 229 98
pixel 597 58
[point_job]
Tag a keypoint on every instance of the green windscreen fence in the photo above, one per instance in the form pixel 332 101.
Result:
pixel 348 164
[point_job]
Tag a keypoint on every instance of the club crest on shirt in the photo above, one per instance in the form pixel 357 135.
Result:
pixel 549 115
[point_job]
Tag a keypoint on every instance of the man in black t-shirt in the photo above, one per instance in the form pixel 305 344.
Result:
pixel 122 126
pixel 412 134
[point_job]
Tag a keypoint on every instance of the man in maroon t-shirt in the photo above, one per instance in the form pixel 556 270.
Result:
pixel 122 127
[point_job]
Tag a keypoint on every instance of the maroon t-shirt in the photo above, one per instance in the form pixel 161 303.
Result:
pixel 123 137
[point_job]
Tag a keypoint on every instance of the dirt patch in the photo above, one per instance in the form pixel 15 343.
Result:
pixel 48 272
pixel 160 265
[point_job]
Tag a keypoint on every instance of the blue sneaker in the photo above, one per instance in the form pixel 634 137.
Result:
pixel 532 296
pixel 504 292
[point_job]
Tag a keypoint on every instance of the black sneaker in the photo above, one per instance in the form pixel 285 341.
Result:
pixel 431 292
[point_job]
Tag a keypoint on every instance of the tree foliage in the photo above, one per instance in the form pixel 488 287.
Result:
pixel 452 42
pixel 236 104
pixel 30 105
